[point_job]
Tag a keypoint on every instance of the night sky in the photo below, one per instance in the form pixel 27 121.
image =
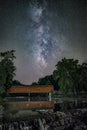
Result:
pixel 42 32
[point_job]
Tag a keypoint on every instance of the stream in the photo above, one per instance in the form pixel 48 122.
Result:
pixel 65 116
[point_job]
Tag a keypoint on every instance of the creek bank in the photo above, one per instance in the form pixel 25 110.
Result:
pixel 71 120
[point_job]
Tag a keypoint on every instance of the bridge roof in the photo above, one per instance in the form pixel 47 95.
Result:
pixel 31 89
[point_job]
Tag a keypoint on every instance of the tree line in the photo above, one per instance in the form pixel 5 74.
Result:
pixel 69 75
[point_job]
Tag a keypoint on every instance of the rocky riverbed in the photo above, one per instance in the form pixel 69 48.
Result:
pixel 48 120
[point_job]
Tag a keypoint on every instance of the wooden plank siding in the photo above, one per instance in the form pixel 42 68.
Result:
pixel 39 104
pixel 37 89
pixel 30 105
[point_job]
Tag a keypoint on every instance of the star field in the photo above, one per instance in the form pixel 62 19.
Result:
pixel 42 32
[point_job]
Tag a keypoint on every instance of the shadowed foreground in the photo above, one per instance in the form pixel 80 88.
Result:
pixel 73 120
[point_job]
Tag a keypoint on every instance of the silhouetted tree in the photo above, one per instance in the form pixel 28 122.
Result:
pixel 54 82
pixel 82 74
pixel 16 82
pixel 66 72
pixel 7 68
pixel 44 81
pixel 34 83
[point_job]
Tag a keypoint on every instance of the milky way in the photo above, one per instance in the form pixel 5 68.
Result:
pixel 43 32
pixel 45 48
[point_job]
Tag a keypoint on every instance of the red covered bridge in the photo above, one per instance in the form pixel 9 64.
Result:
pixel 30 97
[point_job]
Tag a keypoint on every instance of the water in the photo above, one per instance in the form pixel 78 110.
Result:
pixel 50 121
pixel 66 105
pixel 66 116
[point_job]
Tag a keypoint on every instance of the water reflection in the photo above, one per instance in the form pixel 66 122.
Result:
pixel 66 105
pixel 66 116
